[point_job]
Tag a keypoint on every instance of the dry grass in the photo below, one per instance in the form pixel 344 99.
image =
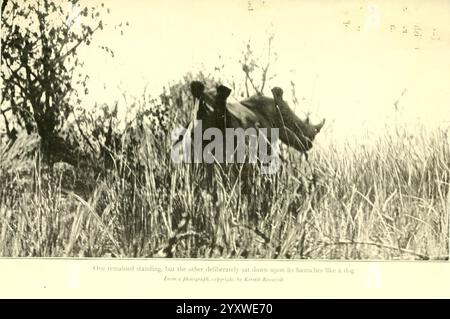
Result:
pixel 389 200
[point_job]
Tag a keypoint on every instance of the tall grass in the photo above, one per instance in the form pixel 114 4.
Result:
pixel 386 200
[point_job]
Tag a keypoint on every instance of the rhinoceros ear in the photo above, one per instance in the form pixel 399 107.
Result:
pixel 223 92
pixel 197 89
pixel 277 93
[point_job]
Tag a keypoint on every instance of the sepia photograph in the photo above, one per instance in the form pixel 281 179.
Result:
pixel 225 130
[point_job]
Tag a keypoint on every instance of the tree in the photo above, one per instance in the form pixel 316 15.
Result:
pixel 40 68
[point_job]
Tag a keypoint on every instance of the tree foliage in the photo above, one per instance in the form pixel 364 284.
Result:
pixel 41 72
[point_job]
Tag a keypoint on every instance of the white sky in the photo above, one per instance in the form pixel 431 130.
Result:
pixel 350 77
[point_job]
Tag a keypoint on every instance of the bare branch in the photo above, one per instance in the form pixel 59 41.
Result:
pixel 82 133
pixel 4 3
pixel 6 110
pixel 8 130
pixel 246 86
pixel 266 68
pixel 252 83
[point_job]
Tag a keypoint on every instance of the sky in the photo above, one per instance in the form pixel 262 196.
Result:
pixel 350 60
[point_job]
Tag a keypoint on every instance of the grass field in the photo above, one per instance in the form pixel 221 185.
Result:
pixel 389 199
